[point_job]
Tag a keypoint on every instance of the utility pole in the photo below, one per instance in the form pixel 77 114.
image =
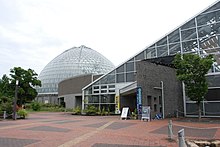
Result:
pixel 15 100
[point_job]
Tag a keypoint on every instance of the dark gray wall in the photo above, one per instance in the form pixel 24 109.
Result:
pixel 71 89
pixel 74 85
pixel 149 76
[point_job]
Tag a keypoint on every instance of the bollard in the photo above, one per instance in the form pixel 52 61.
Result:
pixel 177 113
pixel 181 138
pixel 170 130
pixel 4 115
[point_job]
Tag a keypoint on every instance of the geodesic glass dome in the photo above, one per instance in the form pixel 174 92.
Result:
pixel 72 62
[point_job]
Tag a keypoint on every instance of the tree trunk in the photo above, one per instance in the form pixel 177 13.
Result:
pixel 199 115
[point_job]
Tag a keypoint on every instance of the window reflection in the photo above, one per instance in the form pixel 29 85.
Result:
pixel 151 52
pixel 190 46
pixel 120 78
pixel 174 48
pixel 162 51
pixel 140 56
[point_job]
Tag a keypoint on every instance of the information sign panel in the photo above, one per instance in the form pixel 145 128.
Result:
pixel 145 113
pixel 139 100
pixel 124 113
pixel 117 105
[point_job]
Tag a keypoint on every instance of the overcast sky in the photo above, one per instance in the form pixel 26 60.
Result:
pixel 33 32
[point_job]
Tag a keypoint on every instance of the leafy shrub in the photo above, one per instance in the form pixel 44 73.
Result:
pixel 68 109
pixel 77 110
pixel 134 114
pixel 7 106
pixel 49 105
pixel 104 112
pixel 90 110
pixel 22 113
pixel 28 106
pixel 99 112
pixel 108 111
pixel 135 110
pixel 36 106
pixel 52 108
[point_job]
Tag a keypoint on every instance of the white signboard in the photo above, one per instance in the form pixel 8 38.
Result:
pixel 145 113
pixel 124 113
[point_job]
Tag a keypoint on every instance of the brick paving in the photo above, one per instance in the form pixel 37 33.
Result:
pixel 10 142
pixel 119 125
pixel 118 145
pixel 48 128
pixel 66 130
pixel 192 132
pixel 6 124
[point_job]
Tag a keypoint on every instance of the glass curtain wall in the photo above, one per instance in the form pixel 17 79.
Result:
pixel 199 35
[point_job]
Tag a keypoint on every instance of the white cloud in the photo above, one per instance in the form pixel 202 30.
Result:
pixel 33 32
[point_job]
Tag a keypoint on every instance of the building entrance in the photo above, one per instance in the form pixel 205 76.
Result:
pixel 128 100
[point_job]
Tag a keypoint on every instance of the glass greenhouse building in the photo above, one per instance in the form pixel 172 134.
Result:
pixel 199 35
pixel 72 62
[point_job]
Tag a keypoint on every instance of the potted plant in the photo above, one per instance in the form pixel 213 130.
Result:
pixel 134 114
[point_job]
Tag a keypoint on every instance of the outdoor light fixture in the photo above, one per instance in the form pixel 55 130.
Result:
pixel 15 100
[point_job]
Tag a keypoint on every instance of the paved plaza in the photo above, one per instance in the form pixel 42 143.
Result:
pixel 66 130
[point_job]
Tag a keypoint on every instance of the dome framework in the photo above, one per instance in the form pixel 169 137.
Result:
pixel 72 62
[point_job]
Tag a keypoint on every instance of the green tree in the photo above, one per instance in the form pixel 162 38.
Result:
pixel 6 104
pixel 27 81
pixel 26 91
pixel 6 94
pixel 6 88
pixel 191 69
